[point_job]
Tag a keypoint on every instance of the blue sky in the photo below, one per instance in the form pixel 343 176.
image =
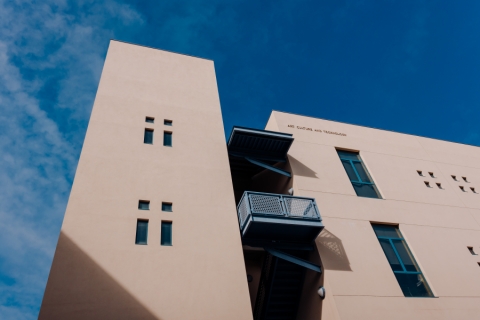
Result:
pixel 411 66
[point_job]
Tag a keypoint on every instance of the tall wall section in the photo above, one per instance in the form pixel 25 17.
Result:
pixel 98 271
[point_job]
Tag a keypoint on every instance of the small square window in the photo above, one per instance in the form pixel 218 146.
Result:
pixel 166 236
pixel 142 232
pixel 454 178
pixel 465 179
pixel 168 122
pixel 431 174
pixel 144 205
pixel 167 206
pixel 167 139
pixel 427 184
pixel 471 251
pixel 473 190
pixel 420 173
pixel 439 185
pixel 148 137
pixel 149 119
pixel 462 188
pixel 478 264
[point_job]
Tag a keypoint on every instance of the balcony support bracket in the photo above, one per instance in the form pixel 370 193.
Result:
pixel 293 259
pixel 269 167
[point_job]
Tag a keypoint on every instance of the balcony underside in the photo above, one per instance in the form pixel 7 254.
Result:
pixel 275 230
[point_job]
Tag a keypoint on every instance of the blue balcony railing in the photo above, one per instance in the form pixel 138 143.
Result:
pixel 276 206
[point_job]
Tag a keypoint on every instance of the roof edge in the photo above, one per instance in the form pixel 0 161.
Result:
pixel 144 46
pixel 359 125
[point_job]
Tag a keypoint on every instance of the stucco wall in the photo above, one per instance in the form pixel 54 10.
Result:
pixel 438 224
pixel 98 272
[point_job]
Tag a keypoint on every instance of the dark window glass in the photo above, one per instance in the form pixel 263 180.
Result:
pixel 143 205
pixel 350 171
pixel 167 139
pixel 142 232
pixel 391 256
pixel 402 262
pixel 148 137
pixel 357 173
pixel 347 155
pixel 149 119
pixel 167 206
pixel 166 239
pixel 167 122
pixel 471 251
pixel 365 190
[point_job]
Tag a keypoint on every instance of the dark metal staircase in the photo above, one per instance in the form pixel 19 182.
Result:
pixel 280 289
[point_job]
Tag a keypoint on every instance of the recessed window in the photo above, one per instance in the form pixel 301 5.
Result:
pixel 168 122
pixel 401 260
pixel 431 174
pixel 471 251
pixel 148 137
pixel 167 139
pixel 167 206
pixel 361 180
pixel 465 179
pixel 144 205
pixel 166 237
pixel 462 188
pixel 142 232
pixel 473 190
pixel 420 173
pixel 149 119
pixel 427 183
pixel 454 178
pixel 439 185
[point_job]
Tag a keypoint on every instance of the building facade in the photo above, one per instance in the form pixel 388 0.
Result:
pixel 307 219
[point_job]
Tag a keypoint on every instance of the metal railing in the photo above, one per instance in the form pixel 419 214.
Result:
pixel 276 205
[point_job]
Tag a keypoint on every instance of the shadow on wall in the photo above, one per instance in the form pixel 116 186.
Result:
pixel 332 252
pixel 299 169
pixel 78 288
pixel 311 304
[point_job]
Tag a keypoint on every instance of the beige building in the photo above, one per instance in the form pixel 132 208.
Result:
pixel 307 219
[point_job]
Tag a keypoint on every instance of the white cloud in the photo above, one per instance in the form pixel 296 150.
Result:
pixel 51 53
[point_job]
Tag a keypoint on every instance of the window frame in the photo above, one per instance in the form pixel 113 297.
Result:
pixel 170 243
pixel 359 178
pixel 165 205
pixel 165 134
pixel 146 232
pixel 141 202
pixel 145 135
pixel 402 240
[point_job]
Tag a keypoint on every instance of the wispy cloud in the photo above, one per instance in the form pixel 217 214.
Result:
pixel 51 53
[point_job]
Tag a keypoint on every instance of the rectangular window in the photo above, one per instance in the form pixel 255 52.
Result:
pixel 167 139
pixel 167 206
pixel 148 137
pixel 404 266
pixel 144 205
pixel 166 239
pixel 167 122
pixel 358 174
pixel 150 119
pixel 142 232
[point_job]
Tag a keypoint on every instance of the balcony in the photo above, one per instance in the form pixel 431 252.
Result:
pixel 272 219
